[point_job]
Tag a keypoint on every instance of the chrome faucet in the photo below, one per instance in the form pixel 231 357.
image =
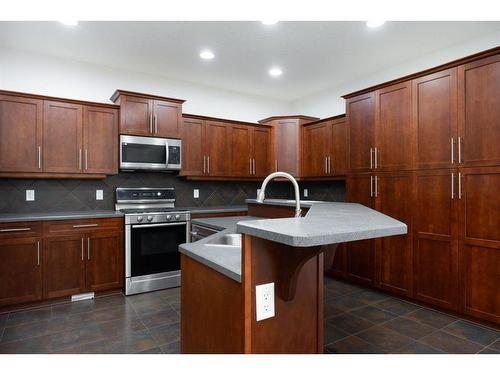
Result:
pixel 261 196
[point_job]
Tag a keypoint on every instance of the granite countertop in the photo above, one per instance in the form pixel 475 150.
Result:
pixel 325 223
pixel 61 215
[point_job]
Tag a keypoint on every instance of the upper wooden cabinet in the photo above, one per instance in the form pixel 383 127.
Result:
pixel 479 112
pixel 325 148
pixel 149 115
pixel 224 149
pixel 287 137
pixel 20 134
pixel 48 137
pixel 393 132
pixel 360 117
pixel 435 120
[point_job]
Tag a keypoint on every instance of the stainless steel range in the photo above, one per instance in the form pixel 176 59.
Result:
pixel 154 229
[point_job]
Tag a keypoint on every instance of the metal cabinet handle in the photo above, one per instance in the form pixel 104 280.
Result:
pixel 15 229
pixel 452 186
pixel 156 124
pixel 276 164
pixel 376 187
pixel 151 123
pixel 371 186
pixel 326 165
pixel 371 157
pixel 86 159
pixel 208 164
pixel 329 165
pixel 39 157
pixel 376 160
pixel 88 248
pixel 254 166
pixel 460 186
pixel 37 253
pixel 80 159
pixel 85 225
pixel 452 150
pixel 459 142
pixel 82 248
pixel 250 166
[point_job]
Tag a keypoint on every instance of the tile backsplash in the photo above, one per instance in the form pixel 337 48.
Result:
pixel 66 195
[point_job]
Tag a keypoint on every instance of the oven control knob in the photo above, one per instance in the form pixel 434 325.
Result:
pixel 150 218
pixel 169 217
pixel 177 217
pixel 139 218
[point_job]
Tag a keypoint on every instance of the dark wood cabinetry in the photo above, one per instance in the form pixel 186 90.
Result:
pixel 324 148
pixel 193 150
pixel 360 117
pixel 20 263
pixel 218 149
pixel 149 115
pixel 261 151
pixel 43 137
pixel 20 134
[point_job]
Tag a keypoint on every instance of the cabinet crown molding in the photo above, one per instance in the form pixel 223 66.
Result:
pixel 120 92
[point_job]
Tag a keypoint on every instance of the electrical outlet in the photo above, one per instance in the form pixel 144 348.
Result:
pixel 306 193
pixel 99 195
pixel 264 304
pixel 30 195
pixel 196 193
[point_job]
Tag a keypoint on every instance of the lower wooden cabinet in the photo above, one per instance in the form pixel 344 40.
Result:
pixel 20 270
pixel 66 257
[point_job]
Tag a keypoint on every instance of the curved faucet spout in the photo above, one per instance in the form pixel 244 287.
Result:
pixel 261 196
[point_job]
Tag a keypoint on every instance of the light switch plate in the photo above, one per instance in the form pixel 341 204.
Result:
pixel 306 193
pixel 30 195
pixel 99 195
pixel 196 193
pixel 264 304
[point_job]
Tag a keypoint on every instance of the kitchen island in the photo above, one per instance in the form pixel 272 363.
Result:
pixel 220 274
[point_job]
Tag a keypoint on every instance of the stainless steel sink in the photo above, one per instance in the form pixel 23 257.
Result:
pixel 230 239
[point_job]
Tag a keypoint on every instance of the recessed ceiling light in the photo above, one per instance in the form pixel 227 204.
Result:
pixel 69 22
pixel 275 72
pixel 207 54
pixel 374 23
pixel 269 22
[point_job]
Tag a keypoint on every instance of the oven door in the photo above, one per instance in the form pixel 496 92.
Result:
pixel 154 248
pixel 143 153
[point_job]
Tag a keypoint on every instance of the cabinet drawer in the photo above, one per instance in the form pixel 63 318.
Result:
pixel 20 229
pixel 83 226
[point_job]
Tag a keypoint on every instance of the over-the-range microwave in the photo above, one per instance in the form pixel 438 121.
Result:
pixel 146 153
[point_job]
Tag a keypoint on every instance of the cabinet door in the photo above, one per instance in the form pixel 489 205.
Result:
pixel 20 134
pixel 360 254
pixel 20 270
pixel 100 140
pixel 435 119
pixel 62 137
pixel 64 265
pixel 241 144
pixel 338 158
pixel 480 242
pixel 105 261
pixel 393 132
pixel 261 150
pixel 167 119
pixel 287 146
pixel 479 112
pixel 394 257
pixel 435 243
pixel 218 145
pixel 193 150
pixel 317 146
pixel 136 116
pixel 360 117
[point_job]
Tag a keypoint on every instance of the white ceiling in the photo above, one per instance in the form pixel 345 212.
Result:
pixel 313 55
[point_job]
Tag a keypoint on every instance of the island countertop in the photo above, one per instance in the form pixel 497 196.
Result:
pixel 325 223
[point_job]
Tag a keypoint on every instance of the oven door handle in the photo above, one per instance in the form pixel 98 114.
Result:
pixel 159 225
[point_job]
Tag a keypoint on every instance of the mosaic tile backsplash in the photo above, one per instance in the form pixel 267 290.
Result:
pixel 68 195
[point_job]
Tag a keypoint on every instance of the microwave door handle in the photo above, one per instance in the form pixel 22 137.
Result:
pixel 166 151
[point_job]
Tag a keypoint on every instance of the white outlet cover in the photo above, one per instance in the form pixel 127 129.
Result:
pixel 99 195
pixel 264 301
pixel 196 193
pixel 30 195
pixel 306 193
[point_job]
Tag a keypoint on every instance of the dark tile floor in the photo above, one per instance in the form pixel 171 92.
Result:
pixel 357 320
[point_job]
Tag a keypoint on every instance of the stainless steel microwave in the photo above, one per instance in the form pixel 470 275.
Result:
pixel 146 153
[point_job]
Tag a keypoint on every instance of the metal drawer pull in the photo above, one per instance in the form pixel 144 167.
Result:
pixel 376 186
pixel 460 186
pixel 15 230
pixel 452 186
pixel 452 153
pixel 371 157
pixel 38 253
pixel 371 186
pixel 88 248
pixel 82 248
pixel 85 225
